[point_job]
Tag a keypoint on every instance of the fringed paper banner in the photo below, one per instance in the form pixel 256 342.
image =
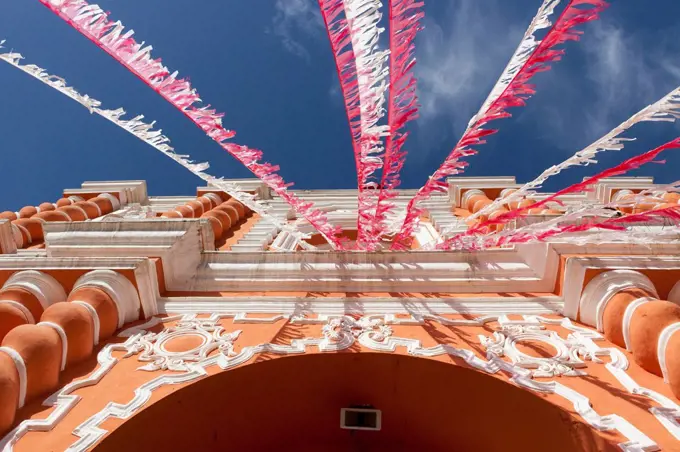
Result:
pixel 362 73
pixel 514 94
pixel 363 17
pixel 579 215
pixel 658 216
pixel 665 109
pixel 93 23
pixel 585 185
pixel 144 131
pixel 404 24
pixel 526 48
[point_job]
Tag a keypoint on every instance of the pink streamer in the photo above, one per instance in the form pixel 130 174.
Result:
pixel 586 185
pixel 515 95
pixel 359 70
pixel 612 224
pixel 94 24
pixel 404 24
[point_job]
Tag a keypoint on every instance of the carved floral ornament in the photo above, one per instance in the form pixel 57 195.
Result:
pixel 152 347
pixel 569 357
pixel 207 343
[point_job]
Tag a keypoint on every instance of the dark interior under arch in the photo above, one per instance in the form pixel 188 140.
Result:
pixel 293 403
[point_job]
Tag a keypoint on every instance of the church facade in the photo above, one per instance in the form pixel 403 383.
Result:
pixel 136 322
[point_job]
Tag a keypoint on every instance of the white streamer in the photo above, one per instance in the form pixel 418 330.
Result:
pixel 363 17
pixel 155 138
pixel 526 47
pixel 665 109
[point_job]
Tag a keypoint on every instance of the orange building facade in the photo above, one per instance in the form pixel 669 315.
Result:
pixel 131 322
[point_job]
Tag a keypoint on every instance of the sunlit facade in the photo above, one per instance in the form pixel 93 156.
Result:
pixel 131 322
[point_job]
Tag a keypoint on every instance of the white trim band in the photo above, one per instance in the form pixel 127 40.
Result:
pixel 628 316
pixel 21 370
pixel 664 338
pixel 64 341
pixel 95 318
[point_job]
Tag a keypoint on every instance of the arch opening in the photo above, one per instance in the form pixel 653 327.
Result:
pixel 295 403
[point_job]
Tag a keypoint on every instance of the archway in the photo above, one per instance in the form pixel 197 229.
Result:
pixel 294 403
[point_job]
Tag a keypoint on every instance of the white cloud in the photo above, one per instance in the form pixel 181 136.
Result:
pixel 460 55
pixel 623 77
pixel 295 20
pixel 619 74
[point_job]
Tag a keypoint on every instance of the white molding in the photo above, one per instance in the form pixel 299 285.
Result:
pixel 493 271
pixel 43 286
pixel 603 287
pixel 96 324
pixel 24 310
pixel 628 316
pixel 207 235
pixel 21 371
pixel 178 243
pixel 115 202
pixel 574 276
pixel 341 336
pixel 130 190
pixel 214 197
pixel 64 400
pixel 341 332
pixel 64 341
pixel 664 338
pixel 119 288
pixel 369 305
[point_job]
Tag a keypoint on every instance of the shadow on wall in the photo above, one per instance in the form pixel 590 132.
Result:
pixel 293 403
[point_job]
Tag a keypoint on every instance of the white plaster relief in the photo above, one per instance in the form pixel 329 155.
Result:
pixel 45 288
pixel 152 346
pixel 119 288
pixel 341 332
pixel 565 362
pixel 64 400
pixel 667 413
pixel 603 287
pixel 480 305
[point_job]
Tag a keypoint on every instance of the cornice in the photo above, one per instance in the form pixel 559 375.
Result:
pixel 491 271
pixel 178 243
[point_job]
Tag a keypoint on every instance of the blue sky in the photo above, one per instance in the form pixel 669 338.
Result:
pixel 268 66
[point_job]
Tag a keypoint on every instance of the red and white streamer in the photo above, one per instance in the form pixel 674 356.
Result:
pixel 515 93
pixel 618 225
pixel 146 133
pixel 363 17
pixel 665 109
pixel 611 209
pixel 404 24
pixel 93 23
pixel 463 239
pixel 362 72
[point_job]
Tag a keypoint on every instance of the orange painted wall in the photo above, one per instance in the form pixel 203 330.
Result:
pixel 294 403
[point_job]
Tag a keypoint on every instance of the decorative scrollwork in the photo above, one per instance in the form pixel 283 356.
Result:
pixel 152 347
